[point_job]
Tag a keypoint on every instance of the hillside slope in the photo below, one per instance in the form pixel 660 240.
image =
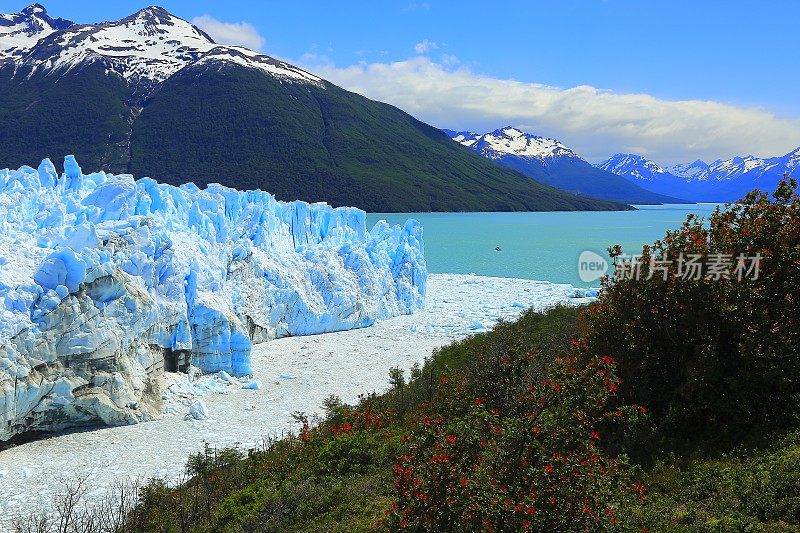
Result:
pixel 152 95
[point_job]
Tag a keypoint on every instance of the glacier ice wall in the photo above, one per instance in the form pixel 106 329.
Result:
pixel 106 281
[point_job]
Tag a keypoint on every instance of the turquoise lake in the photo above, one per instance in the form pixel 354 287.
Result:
pixel 540 246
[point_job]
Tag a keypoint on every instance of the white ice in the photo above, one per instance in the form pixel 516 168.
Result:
pixel 105 280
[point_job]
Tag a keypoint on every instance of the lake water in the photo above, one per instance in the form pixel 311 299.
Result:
pixel 541 246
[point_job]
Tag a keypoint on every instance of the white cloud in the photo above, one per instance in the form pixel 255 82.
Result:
pixel 449 60
pixel 414 6
pixel 594 122
pixel 423 47
pixel 231 33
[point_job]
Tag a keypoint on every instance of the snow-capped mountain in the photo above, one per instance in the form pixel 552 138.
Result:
pixel 633 165
pixel 19 32
pixel 510 141
pixel 153 95
pixel 721 181
pixel 690 170
pixel 150 45
pixel 553 163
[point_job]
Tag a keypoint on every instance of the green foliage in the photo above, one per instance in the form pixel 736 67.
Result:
pixel 744 491
pixel 716 360
pixel 512 443
pixel 84 113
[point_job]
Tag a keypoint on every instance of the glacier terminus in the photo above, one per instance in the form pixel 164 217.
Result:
pixel 107 281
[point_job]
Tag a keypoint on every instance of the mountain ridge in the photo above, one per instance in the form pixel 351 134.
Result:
pixel 552 162
pixel 230 115
pixel 720 181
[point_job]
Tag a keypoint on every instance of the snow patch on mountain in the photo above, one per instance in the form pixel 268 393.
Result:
pixel 150 45
pixel 749 167
pixel 688 170
pixel 107 281
pixel 512 141
pixel 19 32
pixel 633 165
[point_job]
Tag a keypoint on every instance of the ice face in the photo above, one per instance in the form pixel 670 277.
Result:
pixel 105 281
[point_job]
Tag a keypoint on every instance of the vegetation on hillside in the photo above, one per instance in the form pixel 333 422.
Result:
pixel 241 128
pixel 716 359
pixel 84 113
pixel 249 130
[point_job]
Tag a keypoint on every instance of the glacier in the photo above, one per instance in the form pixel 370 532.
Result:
pixel 106 282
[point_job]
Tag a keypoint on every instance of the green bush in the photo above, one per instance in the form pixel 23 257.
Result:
pixel 744 491
pixel 716 360
pixel 510 442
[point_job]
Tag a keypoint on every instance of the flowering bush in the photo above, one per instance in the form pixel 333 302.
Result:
pixel 713 355
pixel 516 449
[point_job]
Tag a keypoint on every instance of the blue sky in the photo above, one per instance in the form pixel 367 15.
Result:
pixel 739 54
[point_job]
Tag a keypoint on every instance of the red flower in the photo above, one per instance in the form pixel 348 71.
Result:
pixel 608 360
pixel 595 435
pixel 548 469
pixel 451 439
pixel 478 401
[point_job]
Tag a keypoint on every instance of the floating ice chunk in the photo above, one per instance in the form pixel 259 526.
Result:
pixel 580 292
pixel 254 384
pixel 477 326
pixel 198 410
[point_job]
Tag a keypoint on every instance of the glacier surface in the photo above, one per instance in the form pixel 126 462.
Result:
pixel 107 281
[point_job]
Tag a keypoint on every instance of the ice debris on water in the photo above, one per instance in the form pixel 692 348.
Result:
pixel 198 410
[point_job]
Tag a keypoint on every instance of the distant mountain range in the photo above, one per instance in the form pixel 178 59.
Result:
pixel 153 95
pixel 553 163
pixel 720 181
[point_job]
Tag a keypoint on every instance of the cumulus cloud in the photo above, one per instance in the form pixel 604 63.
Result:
pixel 231 33
pixel 594 122
pixel 423 47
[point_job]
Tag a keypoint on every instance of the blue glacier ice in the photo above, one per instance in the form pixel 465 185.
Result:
pixel 107 281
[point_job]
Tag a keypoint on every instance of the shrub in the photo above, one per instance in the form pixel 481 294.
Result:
pixel 511 444
pixel 714 359
pixel 744 491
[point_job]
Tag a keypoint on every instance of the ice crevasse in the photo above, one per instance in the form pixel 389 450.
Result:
pixel 107 281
